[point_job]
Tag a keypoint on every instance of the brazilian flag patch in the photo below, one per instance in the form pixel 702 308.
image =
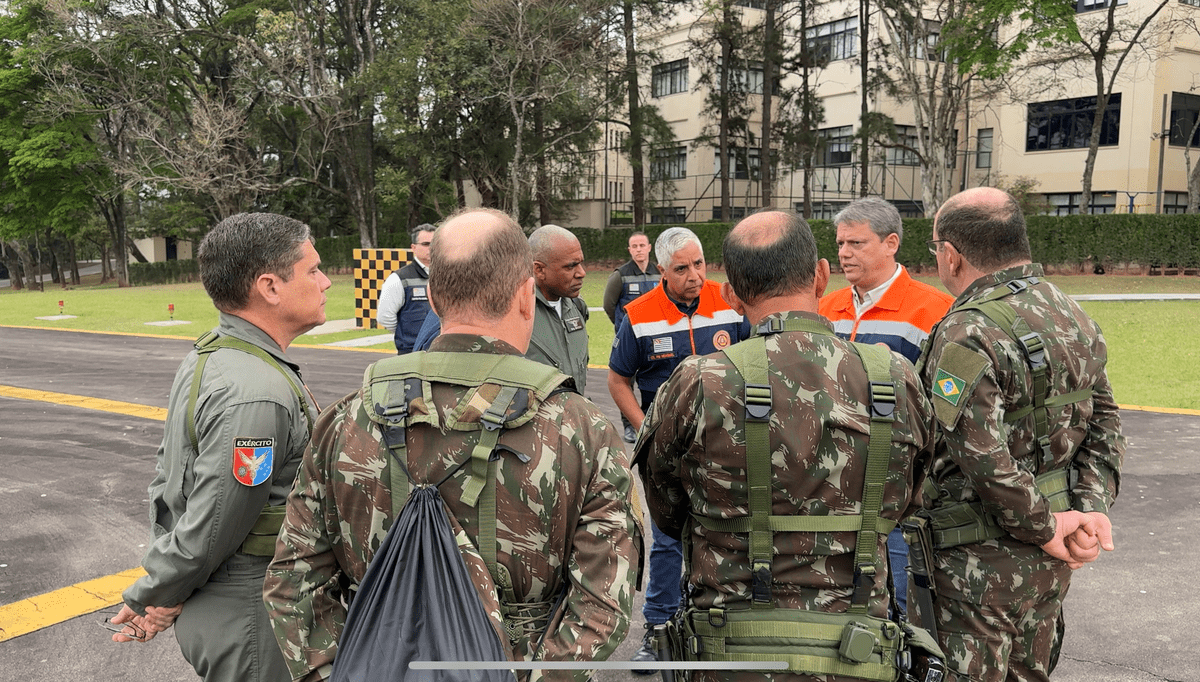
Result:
pixel 948 386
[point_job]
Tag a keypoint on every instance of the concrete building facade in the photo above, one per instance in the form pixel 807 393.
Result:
pixel 1035 126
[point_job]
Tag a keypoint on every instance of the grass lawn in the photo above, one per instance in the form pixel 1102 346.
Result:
pixel 1154 359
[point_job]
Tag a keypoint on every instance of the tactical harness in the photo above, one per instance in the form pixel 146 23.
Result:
pixel 389 388
pixel 964 523
pixel 853 643
pixel 261 540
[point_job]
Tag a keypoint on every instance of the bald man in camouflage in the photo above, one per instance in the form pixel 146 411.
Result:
pixel 563 522
pixel 1030 445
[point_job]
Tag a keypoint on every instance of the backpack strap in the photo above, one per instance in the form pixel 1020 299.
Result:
pixel 261 539
pixel 750 359
pixel 877 361
pixel 967 522
pixel 1033 347
pixel 209 343
pixel 392 385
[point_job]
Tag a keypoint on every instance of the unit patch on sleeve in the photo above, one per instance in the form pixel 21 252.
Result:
pixel 252 459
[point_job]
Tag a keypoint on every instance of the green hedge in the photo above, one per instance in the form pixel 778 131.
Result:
pixel 166 272
pixel 1137 239
pixel 1067 241
pixel 612 244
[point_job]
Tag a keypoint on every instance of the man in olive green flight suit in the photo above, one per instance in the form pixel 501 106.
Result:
pixel 560 327
pixel 232 445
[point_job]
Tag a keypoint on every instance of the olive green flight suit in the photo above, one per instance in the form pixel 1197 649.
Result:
pixel 247 417
pixel 561 342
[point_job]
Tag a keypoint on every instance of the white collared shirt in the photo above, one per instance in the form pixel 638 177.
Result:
pixel 868 300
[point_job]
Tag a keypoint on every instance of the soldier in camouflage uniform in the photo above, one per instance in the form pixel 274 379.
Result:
pixel 696 447
pixel 998 601
pixel 562 503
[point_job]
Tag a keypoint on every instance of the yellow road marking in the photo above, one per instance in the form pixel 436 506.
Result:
pixel 86 402
pixel 1163 410
pixel 320 346
pixel 44 610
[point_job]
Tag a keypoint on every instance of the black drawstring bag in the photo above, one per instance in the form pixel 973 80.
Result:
pixel 417 603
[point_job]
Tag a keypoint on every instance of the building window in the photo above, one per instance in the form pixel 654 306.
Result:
pixel 1194 3
pixel 921 47
pixel 909 208
pixel 745 162
pixel 752 4
pixel 669 164
pixel 1067 123
pixel 1068 203
pixel 906 154
pixel 1090 5
pixel 837 146
pixel 823 210
pixel 835 40
pixel 669 79
pixel 750 79
pixel 735 213
pixel 1185 107
pixel 983 157
pixel 1174 202
pixel 660 215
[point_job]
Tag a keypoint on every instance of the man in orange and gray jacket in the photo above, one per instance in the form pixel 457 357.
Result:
pixel 883 304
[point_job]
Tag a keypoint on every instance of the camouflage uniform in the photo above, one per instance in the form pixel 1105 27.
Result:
pixel 564 511
pixel 819 430
pixel 999 601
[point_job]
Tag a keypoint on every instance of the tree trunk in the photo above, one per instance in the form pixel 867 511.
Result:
pixel 765 170
pixel 1089 165
pixel 806 111
pixel 356 147
pixel 74 258
pixel 514 173
pixel 113 210
pixel 723 134
pixel 1193 176
pixel 542 177
pixel 864 14
pixel 32 280
pixel 636 137
pixel 12 261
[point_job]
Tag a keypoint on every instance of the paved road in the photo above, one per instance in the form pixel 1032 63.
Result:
pixel 73 508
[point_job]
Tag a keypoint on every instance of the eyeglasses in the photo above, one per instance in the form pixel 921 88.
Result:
pixel 133 631
pixel 934 242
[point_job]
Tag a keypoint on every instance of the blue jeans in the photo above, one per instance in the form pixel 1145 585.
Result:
pixel 898 556
pixel 663 594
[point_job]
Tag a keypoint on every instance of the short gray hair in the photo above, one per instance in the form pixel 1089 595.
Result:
pixel 545 238
pixel 243 247
pixel 671 240
pixel 880 215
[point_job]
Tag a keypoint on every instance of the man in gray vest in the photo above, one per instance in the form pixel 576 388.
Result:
pixel 626 283
pixel 238 422
pixel 560 327
pixel 637 276
pixel 404 297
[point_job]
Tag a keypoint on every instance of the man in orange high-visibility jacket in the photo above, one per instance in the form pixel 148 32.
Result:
pixel 883 304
